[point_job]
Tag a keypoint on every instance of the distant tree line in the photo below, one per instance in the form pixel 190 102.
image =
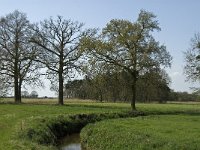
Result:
pixel 151 87
pixel 33 94
pixel 184 96
pixel 117 87
pixel 119 91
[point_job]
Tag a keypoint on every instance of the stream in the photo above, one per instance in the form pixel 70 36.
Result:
pixel 71 142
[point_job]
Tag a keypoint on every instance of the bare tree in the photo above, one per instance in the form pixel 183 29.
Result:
pixel 59 49
pixel 192 59
pixel 4 85
pixel 17 54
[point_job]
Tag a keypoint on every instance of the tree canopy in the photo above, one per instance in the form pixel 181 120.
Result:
pixel 59 49
pixel 17 54
pixel 129 46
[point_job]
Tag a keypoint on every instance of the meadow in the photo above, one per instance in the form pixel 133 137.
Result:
pixel 168 132
pixel 161 123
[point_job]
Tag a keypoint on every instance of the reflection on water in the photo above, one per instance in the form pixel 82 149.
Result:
pixel 71 142
pixel 76 146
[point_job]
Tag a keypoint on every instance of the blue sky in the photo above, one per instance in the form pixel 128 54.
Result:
pixel 179 21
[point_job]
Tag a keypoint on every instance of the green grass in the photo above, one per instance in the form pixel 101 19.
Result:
pixel 14 118
pixel 169 132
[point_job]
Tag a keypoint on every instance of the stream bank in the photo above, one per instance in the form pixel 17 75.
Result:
pixel 51 130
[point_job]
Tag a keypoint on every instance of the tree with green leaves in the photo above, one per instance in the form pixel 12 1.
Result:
pixel 153 86
pixel 129 46
pixel 192 59
pixel 59 50
pixel 17 54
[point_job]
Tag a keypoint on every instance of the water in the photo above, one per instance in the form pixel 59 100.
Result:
pixel 71 142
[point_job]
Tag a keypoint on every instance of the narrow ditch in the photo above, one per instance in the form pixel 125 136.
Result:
pixel 71 142
pixel 61 131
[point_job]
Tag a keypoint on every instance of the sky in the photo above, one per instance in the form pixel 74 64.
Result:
pixel 179 21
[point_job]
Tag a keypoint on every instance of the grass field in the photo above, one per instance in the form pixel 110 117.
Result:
pixel 13 117
pixel 169 132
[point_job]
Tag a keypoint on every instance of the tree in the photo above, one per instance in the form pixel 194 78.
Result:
pixel 154 86
pixel 59 44
pixel 4 85
pixel 17 54
pixel 34 94
pixel 95 72
pixel 130 47
pixel 24 94
pixel 192 59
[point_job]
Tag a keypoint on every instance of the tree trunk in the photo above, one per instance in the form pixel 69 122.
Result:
pixel 133 87
pixel 16 83
pixel 60 94
pixel 60 74
pixel 101 96
pixel 19 95
pixel 16 90
pixel 19 91
pixel 133 95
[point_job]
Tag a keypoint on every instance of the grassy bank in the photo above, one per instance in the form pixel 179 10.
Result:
pixel 15 118
pixel 49 130
pixel 39 114
pixel 169 132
